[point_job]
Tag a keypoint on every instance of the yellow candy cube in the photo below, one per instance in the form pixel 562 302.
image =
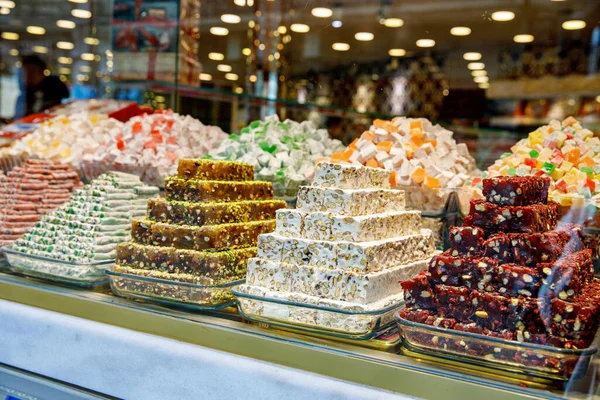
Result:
pixel 536 137
pixel 557 174
pixel 545 154
pixel 566 165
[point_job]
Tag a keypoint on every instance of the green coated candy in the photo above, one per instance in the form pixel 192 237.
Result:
pixel 504 155
pixel 512 172
pixel 548 167
pixel 534 154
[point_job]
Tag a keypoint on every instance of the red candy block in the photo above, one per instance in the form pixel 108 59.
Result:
pixel 418 293
pixel 489 309
pixel 526 219
pixel 516 190
pixel 514 280
pixel 454 302
pixel 566 277
pixel 466 241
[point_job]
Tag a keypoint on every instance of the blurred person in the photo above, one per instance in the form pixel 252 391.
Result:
pixel 39 92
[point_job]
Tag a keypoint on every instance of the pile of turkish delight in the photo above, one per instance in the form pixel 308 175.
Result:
pixel 30 191
pixel 345 247
pixel 513 273
pixel 203 232
pixel 149 146
pixel 419 153
pixel 90 225
pixel 282 152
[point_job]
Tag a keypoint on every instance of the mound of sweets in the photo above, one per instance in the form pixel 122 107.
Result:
pixel 418 154
pixel 202 233
pixel 513 273
pixel 30 191
pixel 564 152
pixel 90 225
pixel 345 247
pixel 67 138
pixel 282 152
pixel 149 146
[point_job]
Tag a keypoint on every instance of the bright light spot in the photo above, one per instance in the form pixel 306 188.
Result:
pixel 397 52
pixel 460 31
pixel 252 78
pixel 85 68
pixel 64 71
pixel 219 31
pixel 65 45
pixel 393 22
pixel 484 85
pixel 36 30
pixel 300 28
pixel 337 23
pixel 88 56
pixel 476 65
pixel 321 12
pixel 231 77
pixel 230 18
pixel 84 14
pixel 523 38
pixel 364 36
pixel 224 68
pixel 425 43
pixel 573 25
pixel 239 90
pixel 40 49
pixel 472 56
pixel 503 16
pixel 246 51
pixel 91 41
pixel 65 24
pixel 340 46
pixel 65 60
pixel 216 56
pixel 7 4
pixel 14 52
pixel 480 72
pixel 205 77
pixel 481 79
pixel 10 36
pixel 282 30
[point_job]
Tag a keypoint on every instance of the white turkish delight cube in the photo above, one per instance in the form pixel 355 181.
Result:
pixel 295 251
pixel 310 199
pixel 317 226
pixel 270 247
pixel 269 275
pixel 323 254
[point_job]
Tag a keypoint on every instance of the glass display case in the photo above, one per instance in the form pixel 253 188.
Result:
pixel 406 187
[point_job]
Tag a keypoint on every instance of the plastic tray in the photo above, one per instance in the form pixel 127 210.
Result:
pixel 171 293
pixel 503 356
pixel 297 317
pixel 86 275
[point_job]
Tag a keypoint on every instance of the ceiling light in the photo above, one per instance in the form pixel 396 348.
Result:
pixel 282 30
pixel 65 45
pixel 239 90
pixel 481 79
pixel 216 56
pixel 65 60
pixel 78 1
pixel 4 11
pixel 230 18
pixel 224 68
pixel 479 72
pixel 36 30
pixel 246 51
pixel 40 49
pixel 10 36
pixel 340 46
pixel 252 78
pixel 85 68
pixel 503 16
pixel 397 52
pixel 364 36
pixel 87 56
pixel 484 85
pixel 300 28
pixel 393 22
pixel 231 77
pixel 337 23
pixel 321 12
pixel 91 41
pixel 64 71
pixel 573 25
pixel 63 23
pixel 476 65
pixel 219 31
pixel 14 52
pixel 425 43
pixel 523 38
pixel 460 31
pixel 205 77
pixel 77 13
pixel 240 3
pixel 472 56
pixel 7 4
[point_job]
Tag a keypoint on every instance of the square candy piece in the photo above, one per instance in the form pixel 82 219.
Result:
pixel 375 227
pixel 348 176
pixel 269 275
pixel 418 292
pixel 317 226
pixel 270 247
pixel 466 240
pixel 289 222
pixel 516 191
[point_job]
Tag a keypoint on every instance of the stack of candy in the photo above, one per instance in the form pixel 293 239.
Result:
pixel 67 139
pixel 513 273
pixel 149 146
pixel 282 152
pixel 419 154
pixel 345 247
pixel 202 233
pixel 30 191
pixel 91 224
pixel 565 152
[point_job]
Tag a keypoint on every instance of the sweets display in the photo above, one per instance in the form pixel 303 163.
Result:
pixel 67 138
pixel 419 154
pixel 30 191
pixel 90 225
pixel 149 146
pixel 512 272
pixel 565 152
pixel 282 152
pixel 197 240
pixel 345 247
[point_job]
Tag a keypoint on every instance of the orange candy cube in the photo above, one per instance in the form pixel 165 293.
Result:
pixel 373 163
pixel 346 153
pixel 353 144
pixel 385 146
pixel 573 155
pixel 587 161
pixel 431 182
pixel 416 125
pixel 336 158
pixel 393 180
pixel 367 136
pixel 419 175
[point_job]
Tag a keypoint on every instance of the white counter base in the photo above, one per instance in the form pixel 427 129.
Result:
pixel 132 365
